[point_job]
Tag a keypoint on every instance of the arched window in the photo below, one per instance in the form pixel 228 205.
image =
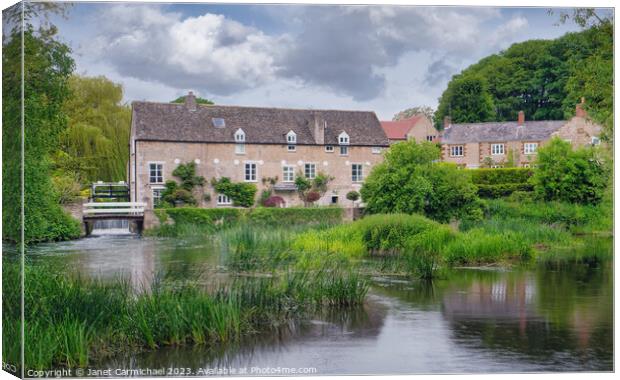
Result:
pixel 240 136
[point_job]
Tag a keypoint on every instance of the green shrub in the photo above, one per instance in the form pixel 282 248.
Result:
pixel 575 176
pixel 389 233
pixel 566 214
pixel 206 216
pixel 502 189
pixel 296 215
pixel 423 252
pixel 501 176
pixel 242 194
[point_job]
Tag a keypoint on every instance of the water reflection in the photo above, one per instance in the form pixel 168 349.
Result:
pixel 556 316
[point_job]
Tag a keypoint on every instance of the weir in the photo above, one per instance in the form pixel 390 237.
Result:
pixel 127 216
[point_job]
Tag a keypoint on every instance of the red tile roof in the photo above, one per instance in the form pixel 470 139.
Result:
pixel 397 130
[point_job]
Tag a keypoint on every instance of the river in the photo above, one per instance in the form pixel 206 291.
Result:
pixel 546 317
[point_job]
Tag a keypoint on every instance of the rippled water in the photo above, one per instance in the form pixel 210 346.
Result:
pixel 553 317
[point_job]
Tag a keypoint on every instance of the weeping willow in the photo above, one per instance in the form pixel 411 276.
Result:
pixel 96 144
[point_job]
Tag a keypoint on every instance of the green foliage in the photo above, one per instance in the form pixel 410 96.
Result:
pixel 242 194
pixel 311 190
pixel 67 189
pixel 204 216
pixel 501 182
pixel 575 176
pixel 182 193
pixel 410 112
pixel 353 195
pixel 410 180
pixel 47 65
pixel 543 78
pixel 478 247
pixel 389 233
pixel 95 145
pixel 467 99
pixel 296 215
pixel 181 99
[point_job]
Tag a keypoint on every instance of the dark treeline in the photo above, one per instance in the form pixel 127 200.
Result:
pixel 543 78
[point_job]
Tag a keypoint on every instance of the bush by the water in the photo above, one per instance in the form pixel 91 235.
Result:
pixel 501 182
pixel 296 215
pixel 567 175
pixel 411 180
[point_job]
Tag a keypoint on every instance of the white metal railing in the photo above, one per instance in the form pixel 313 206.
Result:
pixel 114 208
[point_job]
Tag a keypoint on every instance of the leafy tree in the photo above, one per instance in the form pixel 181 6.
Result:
pixel 564 174
pixel 466 100
pixel 181 99
pixel 95 144
pixel 409 112
pixel 411 180
pixel 47 67
pixel 546 78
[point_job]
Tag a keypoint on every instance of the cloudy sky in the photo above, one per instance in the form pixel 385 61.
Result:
pixel 376 58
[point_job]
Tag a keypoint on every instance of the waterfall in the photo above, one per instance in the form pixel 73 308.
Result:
pixel 111 227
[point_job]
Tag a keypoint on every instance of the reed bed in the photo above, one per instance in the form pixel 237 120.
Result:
pixel 71 321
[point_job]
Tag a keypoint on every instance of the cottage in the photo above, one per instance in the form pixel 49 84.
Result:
pixel 494 144
pixel 250 144
pixel 417 127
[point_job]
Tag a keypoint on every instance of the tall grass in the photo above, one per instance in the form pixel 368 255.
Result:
pixel 476 247
pixel 71 321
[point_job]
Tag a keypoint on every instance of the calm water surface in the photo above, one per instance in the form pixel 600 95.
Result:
pixel 545 318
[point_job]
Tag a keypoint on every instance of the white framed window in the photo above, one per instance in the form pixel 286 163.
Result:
pixel 157 191
pixel 239 148
pixel 430 138
pixel 375 150
pixel 223 199
pixel 343 138
pixel 250 172
pixel 291 148
pixel 344 150
pixel 329 148
pixel 239 136
pixel 156 172
pixel 497 149
pixel 291 138
pixel 357 172
pixel 530 148
pixel 288 173
pixel 310 171
pixel 456 151
pixel 596 140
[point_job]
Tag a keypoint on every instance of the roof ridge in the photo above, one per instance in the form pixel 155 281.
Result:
pixel 253 107
pixel 508 121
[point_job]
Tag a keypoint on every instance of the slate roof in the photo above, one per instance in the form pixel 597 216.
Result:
pixel 179 122
pixel 500 131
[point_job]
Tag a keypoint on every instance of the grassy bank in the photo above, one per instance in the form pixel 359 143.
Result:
pixel 71 321
pixel 188 221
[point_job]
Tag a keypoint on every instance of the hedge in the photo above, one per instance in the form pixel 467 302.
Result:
pixel 296 215
pixel 204 216
pixel 500 176
pixel 502 190
pixel 261 215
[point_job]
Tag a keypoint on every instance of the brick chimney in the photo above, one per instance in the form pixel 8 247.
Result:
pixel 521 119
pixel 447 122
pixel 190 101
pixel 579 111
pixel 318 131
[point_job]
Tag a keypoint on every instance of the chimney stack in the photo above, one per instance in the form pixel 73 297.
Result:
pixel 319 130
pixel 447 122
pixel 521 119
pixel 190 101
pixel 579 111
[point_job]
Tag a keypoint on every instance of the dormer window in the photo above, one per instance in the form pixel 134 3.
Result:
pixel 240 136
pixel 291 138
pixel 343 139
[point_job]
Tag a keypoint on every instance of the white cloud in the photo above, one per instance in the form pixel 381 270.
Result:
pixel 208 52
